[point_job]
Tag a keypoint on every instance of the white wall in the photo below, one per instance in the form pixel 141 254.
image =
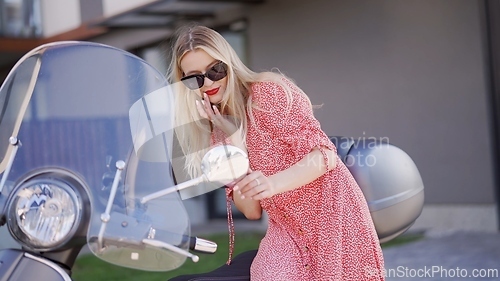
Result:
pixel 412 71
pixel 59 16
pixel 112 7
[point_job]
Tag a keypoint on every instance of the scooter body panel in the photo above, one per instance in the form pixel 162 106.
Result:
pixel 17 265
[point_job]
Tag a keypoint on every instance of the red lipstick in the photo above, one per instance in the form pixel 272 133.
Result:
pixel 212 92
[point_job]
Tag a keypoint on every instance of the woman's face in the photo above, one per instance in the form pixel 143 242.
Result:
pixel 198 62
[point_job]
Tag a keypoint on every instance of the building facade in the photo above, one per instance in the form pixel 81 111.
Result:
pixel 420 73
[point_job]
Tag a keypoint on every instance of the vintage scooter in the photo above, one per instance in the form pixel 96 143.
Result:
pixel 86 155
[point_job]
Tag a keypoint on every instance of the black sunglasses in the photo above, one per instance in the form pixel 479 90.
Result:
pixel 215 73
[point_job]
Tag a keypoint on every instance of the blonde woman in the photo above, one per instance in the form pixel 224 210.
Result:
pixel 319 225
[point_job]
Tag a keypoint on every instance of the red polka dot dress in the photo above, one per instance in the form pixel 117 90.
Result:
pixel 320 231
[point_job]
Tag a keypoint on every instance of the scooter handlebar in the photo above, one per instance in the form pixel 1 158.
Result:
pixel 202 245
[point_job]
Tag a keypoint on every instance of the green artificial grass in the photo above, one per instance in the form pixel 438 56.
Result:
pixel 90 268
pixel 403 239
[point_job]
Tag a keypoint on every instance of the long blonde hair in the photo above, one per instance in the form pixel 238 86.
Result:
pixel 193 134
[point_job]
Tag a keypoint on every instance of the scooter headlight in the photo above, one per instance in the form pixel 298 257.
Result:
pixel 44 213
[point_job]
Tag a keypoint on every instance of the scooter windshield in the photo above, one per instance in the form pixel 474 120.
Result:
pixel 104 116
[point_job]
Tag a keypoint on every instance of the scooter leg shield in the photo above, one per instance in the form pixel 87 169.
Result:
pixel 17 265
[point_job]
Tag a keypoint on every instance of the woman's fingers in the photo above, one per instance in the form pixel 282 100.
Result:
pixel 216 110
pixel 255 186
pixel 244 184
pixel 205 108
pixel 217 116
pixel 212 113
pixel 208 106
pixel 201 110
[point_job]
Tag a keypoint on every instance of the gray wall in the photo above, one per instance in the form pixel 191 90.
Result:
pixel 412 71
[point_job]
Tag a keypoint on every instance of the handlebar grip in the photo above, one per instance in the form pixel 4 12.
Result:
pixel 202 245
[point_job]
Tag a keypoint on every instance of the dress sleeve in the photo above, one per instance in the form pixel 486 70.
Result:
pixel 290 120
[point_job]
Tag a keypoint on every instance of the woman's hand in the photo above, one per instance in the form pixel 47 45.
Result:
pixel 255 186
pixel 211 112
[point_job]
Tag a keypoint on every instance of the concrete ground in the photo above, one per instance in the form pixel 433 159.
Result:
pixel 452 255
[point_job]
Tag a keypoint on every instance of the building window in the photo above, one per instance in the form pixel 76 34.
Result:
pixel 20 18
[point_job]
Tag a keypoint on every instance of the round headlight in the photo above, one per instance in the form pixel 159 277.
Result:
pixel 43 213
